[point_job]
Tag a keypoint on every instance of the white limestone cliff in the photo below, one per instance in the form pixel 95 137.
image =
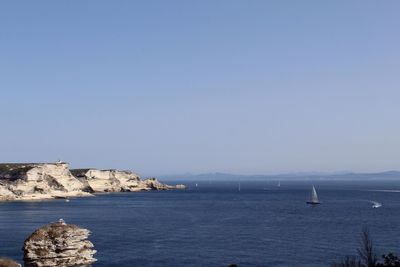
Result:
pixel 108 180
pixel 38 181
pixel 119 181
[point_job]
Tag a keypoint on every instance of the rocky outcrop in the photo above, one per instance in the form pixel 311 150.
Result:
pixel 59 244
pixel 154 184
pixel 36 181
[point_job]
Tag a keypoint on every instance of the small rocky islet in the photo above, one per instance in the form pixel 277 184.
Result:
pixel 56 245
pixel 59 244
pixel 41 181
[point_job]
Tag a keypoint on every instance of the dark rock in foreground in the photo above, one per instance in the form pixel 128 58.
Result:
pixel 4 262
pixel 59 244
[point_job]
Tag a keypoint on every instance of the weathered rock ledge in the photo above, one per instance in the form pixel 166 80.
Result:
pixel 39 181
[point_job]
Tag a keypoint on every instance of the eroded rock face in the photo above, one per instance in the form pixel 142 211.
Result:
pixel 38 181
pixel 59 244
pixel 119 181
pixel 108 180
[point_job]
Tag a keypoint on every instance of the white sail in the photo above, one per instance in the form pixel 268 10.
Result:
pixel 314 196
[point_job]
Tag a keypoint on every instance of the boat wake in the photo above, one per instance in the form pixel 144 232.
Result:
pixel 387 191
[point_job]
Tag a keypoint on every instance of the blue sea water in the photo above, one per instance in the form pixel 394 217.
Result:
pixel 216 225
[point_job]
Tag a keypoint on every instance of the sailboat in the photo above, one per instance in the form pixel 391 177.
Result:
pixel 239 187
pixel 279 184
pixel 314 197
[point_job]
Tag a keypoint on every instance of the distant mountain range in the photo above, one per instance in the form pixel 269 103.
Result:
pixel 218 176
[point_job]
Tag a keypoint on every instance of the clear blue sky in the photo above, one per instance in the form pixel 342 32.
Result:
pixel 165 87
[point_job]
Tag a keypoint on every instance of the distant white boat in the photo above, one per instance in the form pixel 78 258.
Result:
pixel 239 187
pixel 375 204
pixel 279 184
pixel 314 197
